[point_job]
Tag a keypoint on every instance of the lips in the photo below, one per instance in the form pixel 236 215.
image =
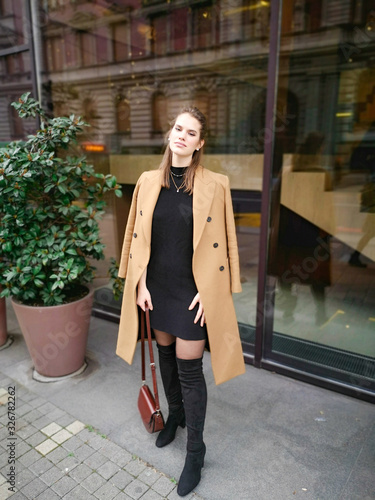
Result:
pixel 180 144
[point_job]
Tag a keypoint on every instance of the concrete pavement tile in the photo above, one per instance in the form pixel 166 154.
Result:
pixel 23 409
pixel 27 431
pixel 16 496
pixel 2 479
pixel 51 429
pixel 65 420
pixel 23 478
pixel 57 455
pixel 20 423
pixel 42 422
pixel 93 482
pixel 56 414
pixel 122 458
pixel 32 416
pixel 173 495
pixel 79 493
pixel 122 496
pixel 36 402
pixel 95 460
pixel 152 495
pixel 107 492
pixel 33 489
pixel 121 479
pixel 46 446
pixel 52 475
pixel 96 442
pixel 149 476
pixel 5 493
pixel 80 472
pixel 72 444
pixel 85 435
pixel 48 495
pixel 3 392
pixel 3 432
pixel 29 458
pixel 75 427
pixel 83 452
pixel 68 464
pixel 35 439
pixel 136 489
pixel 108 469
pixel 22 448
pixel 163 486
pixel 110 449
pixel 41 466
pixel 64 485
pixel 135 467
pixel 47 407
pixel 61 436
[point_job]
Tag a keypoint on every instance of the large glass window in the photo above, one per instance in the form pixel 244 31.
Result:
pixel 322 227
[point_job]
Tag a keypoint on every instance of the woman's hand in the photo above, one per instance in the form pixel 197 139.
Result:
pixel 144 297
pixel 200 312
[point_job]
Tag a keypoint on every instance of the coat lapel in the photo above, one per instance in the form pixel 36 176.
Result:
pixel 150 194
pixel 204 190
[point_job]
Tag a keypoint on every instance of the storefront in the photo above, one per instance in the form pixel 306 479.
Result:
pixel 289 91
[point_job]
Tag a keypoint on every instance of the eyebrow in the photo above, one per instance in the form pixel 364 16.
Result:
pixel 190 130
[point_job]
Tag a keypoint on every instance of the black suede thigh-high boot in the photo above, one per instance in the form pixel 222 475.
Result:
pixel 172 389
pixel 194 393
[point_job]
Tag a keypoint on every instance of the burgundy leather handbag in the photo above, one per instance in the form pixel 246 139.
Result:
pixel 148 404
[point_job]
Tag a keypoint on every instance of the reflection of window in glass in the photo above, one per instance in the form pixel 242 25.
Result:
pixel 180 28
pixel 89 111
pixel 160 35
pixel 12 64
pixel 202 102
pixel 120 41
pixel 55 53
pixel 202 27
pixel 248 17
pixel 6 7
pixel 313 9
pixel 87 48
pixel 16 124
pixel 122 115
pixel 159 113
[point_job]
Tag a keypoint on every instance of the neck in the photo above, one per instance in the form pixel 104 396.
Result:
pixel 181 161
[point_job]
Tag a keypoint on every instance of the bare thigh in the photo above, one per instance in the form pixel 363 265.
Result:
pixel 185 349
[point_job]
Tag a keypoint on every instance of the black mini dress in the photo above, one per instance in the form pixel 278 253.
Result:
pixel 170 278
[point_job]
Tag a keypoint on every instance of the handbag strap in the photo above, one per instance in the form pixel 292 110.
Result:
pixel 146 314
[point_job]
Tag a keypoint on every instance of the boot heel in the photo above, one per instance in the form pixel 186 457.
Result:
pixel 182 424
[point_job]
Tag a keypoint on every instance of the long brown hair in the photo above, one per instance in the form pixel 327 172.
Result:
pixel 166 162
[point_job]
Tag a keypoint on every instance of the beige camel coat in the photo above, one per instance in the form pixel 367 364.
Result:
pixel 215 266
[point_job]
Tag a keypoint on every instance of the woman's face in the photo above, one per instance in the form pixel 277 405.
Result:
pixel 184 137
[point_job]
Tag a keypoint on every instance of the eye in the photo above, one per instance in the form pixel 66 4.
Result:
pixel 192 133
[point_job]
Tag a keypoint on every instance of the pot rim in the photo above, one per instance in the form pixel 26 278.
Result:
pixel 90 292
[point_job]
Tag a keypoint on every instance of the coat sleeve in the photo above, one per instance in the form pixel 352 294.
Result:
pixel 129 232
pixel 234 261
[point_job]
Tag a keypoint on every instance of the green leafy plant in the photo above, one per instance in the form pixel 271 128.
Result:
pixel 50 205
pixel 116 282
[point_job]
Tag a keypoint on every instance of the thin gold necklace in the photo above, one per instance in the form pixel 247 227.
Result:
pixel 181 186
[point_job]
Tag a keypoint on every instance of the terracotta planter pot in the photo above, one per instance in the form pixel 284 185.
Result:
pixel 3 322
pixel 56 336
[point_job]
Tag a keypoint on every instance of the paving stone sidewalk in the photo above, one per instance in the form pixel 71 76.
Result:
pixel 57 456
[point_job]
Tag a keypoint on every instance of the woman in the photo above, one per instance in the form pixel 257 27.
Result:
pixel 180 258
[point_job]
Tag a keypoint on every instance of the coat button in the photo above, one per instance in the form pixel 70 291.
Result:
pixel 216 245
pixel 131 256
pixel 209 219
pixel 140 212
pixel 135 235
pixel 221 268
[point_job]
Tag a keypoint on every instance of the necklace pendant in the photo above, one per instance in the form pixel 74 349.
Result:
pixel 178 190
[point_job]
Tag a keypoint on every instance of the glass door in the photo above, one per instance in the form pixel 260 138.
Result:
pixel 321 260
